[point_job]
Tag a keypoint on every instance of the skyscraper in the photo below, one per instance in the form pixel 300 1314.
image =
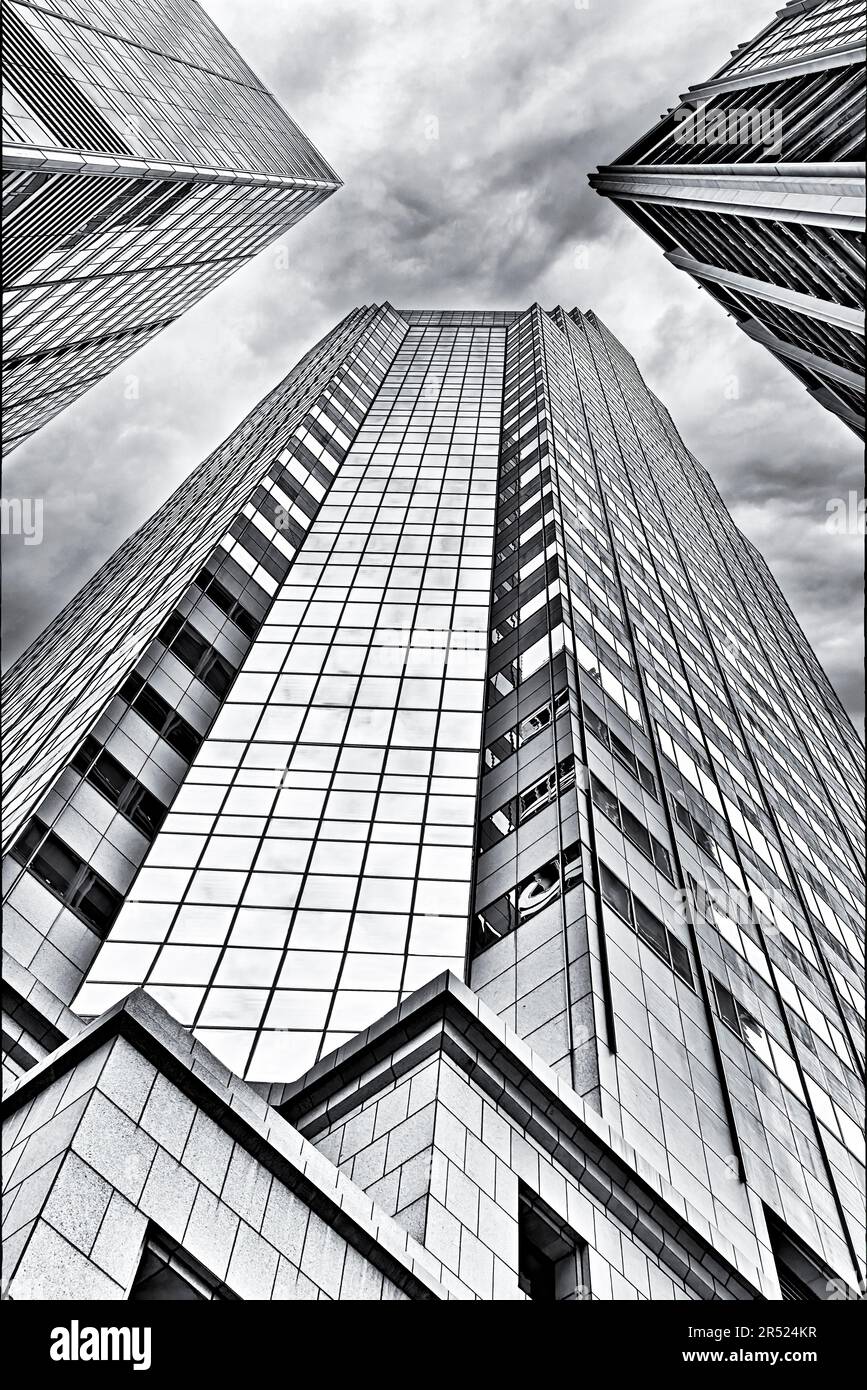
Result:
pixel 754 185
pixel 143 164
pixel 449 659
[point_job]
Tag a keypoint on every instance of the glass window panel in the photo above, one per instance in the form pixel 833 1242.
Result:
pixel 448 810
pixel 462 695
pixel 378 932
pixel 367 971
pixel 615 893
pixel 161 885
pixel 279 1056
pixel 441 862
pixel 272 890
pixel 304 657
pixel 369 726
pixel 231 1046
pixel 329 856
pixel 346 805
pixel 184 965
pixel 421 969
pixel 201 926
pixel 651 929
pixel 310 969
pixel 261 926
pixel 420 694
pixel 313 758
pixel 324 726
pixel 449 764
pixel 233 1008
pixel 143 922
pixel 297 1008
pixel 411 761
pixel 390 861
pixel 229 852
pixel 249 801
pixel 235 722
pixel 388 832
pixel 437 896
pixel 291 690
pixel 367 760
pixel 181 1001
pixel 328 892
pixel 248 967
pixel 459 730
pixel 212 886
pixel 355 1010
pixel 385 895
pixel 414 727
pixel 121 961
pixel 335 690
pixel 300 804
pixel 279 724
pixel 324 931
pixel 283 855
pixel 403 809
pixel 438 935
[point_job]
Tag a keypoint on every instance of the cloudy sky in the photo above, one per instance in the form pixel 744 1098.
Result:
pixel 524 98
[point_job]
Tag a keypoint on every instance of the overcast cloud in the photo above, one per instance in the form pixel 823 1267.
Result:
pixel 525 97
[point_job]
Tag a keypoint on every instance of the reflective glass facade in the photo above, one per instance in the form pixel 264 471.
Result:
pixel 512 696
pixel 143 163
pixel 754 186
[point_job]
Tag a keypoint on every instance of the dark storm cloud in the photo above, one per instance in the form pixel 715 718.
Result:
pixel 464 131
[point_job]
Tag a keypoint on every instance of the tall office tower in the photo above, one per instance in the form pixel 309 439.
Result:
pixel 450 659
pixel 143 163
pixel 754 185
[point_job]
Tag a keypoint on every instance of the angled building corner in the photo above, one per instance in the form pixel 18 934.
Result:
pixel 143 163
pixel 754 185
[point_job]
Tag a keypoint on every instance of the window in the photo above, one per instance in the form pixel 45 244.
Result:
pixel 157 712
pixel 615 893
pixel 527 804
pixel 61 870
pixel 646 924
pixel 650 929
pixel 605 800
pixel 551 1258
pixel 232 607
pixel 634 829
pixel 167 1273
pixel 727 1007
pixel 696 831
pixel 199 656
pixel 546 790
pixel 619 750
pixel 536 892
pixel 141 807
pixel 802 1278
pixel 526 729
pixel 756 1038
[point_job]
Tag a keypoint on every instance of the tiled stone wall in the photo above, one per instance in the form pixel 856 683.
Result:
pixel 441 1136
pixel 113 1146
pixel 439 1156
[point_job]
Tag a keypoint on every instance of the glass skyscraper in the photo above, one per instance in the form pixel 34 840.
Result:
pixel 451 659
pixel 754 186
pixel 143 163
